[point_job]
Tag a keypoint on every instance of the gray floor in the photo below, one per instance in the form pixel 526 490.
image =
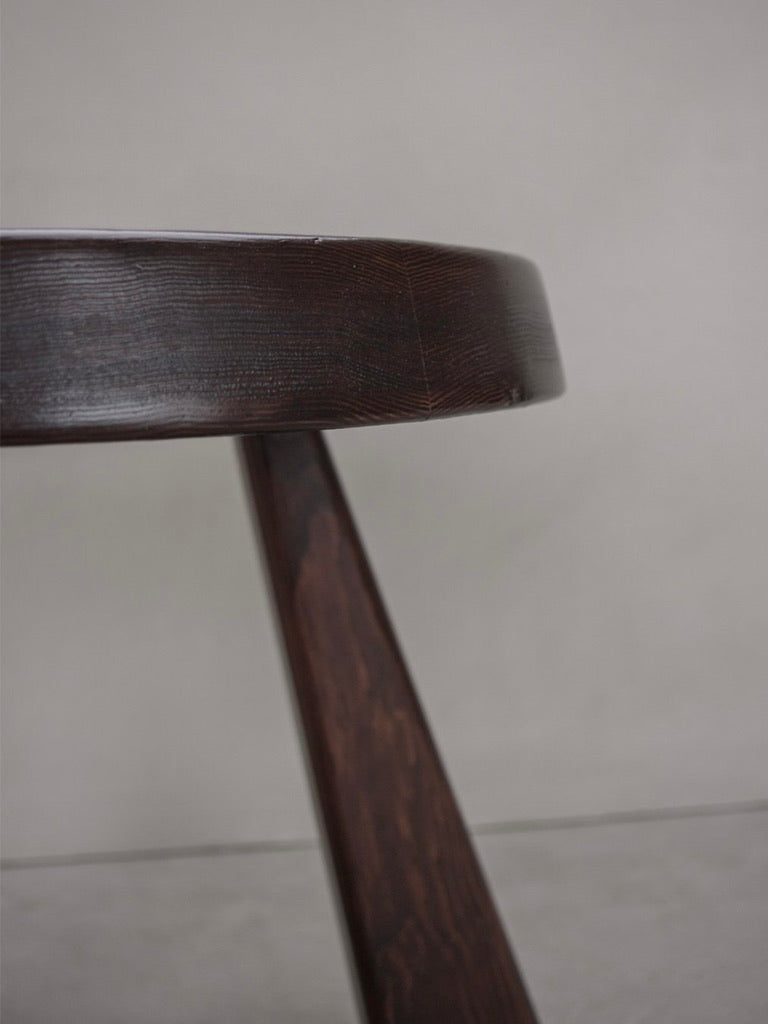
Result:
pixel 624 923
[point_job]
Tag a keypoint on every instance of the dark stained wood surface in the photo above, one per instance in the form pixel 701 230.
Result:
pixel 426 938
pixel 113 336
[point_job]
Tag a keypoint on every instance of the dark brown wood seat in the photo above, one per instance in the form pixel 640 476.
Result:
pixel 113 336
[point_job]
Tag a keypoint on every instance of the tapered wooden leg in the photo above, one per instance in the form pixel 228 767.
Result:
pixel 426 939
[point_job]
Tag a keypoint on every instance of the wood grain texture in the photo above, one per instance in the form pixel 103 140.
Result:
pixel 426 939
pixel 113 336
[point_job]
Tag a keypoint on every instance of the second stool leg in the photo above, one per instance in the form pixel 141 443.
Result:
pixel 426 939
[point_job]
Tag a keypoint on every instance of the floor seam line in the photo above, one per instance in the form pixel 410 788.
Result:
pixel 516 827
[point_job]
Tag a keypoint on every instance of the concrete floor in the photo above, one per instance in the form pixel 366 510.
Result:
pixel 623 923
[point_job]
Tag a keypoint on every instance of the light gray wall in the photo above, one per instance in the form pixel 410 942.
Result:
pixel 582 587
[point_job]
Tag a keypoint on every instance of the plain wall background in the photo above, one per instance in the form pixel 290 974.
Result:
pixel 581 587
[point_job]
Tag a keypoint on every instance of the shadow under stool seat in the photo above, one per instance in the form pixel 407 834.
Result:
pixel 116 336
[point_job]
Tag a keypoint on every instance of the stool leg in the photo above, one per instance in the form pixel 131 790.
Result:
pixel 426 939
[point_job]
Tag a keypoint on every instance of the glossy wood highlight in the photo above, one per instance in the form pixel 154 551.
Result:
pixel 426 938
pixel 114 336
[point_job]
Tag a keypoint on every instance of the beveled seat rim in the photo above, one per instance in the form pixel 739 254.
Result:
pixel 117 335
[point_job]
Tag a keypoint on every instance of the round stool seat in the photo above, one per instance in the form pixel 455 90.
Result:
pixel 119 335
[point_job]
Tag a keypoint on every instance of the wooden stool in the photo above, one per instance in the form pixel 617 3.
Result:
pixel 114 336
